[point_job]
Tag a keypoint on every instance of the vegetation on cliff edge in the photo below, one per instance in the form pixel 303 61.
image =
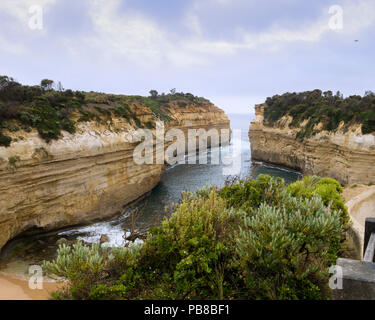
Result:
pixel 49 108
pixel 322 107
pixel 252 239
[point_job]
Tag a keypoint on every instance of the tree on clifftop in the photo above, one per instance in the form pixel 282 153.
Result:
pixel 59 87
pixel 46 84
pixel 153 93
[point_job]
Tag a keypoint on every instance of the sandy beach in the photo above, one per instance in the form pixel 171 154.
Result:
pixel 12 288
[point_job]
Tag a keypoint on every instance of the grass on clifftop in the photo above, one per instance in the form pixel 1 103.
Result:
pixel 50 109
pixel 253 239
pixel 325 107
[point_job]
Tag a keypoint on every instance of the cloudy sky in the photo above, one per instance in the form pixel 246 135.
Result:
pixel 234 52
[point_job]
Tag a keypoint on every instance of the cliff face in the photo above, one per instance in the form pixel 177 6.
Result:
pixel 345 155
pixel 84 177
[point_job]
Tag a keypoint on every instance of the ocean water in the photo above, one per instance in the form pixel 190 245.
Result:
pixel 149 211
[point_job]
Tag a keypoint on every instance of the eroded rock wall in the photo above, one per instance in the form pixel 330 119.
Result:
pixel 85 177
pixel 345 155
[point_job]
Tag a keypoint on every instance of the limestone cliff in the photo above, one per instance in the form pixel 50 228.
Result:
pixel 345 154
pixel 83 177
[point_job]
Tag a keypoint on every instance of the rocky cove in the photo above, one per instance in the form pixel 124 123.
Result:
pixel 87 178
pixel 33 247
pixel 24 251
pixel 83 177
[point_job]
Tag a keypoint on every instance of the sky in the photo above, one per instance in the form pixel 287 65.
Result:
pixel 234 52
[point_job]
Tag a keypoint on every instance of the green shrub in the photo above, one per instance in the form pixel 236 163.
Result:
pixel 368 126
pixel 81 265
pixel 51 111
pixel 252 193
pixel 103 111
pixel 282 250
pixel 5 140
pixel 26 128
pixel 322 107
pixel 156 108
pixel 12 163
pixel 105 292
pixel 89 270
pixel 330 192
pixel 86 116
pixel 252 239
pixel 14 128
pixel 122 111
pixel 149 125
pixel 328 189
pixel 48 120
pixel 68 125
pixel 194 248
pixel 182 104
pixel 13 160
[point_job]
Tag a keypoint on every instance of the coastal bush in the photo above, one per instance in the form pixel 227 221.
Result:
pixel 328 189
pixel 187 257
pixel 12 163
pixel 282 250
pixel 322 107
pixel 156 108
pixel 150 125
pixel 368 126
pixel 251 193
pixel 50 111
pixel 193 249
pixel 182 104
pixel 5 140
pixel 252 239
pixel 82 265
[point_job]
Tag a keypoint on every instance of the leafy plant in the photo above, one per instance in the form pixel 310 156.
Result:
pixel 322 107
pixel 81 265
pixel 282 250
pixel 51 111
pixel 254 239
pixel 328 189
pixel 194 248
pixel 5 140
pixel 12 162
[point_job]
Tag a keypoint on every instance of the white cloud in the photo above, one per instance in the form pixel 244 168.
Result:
pixel 193 24
pixel 358 15
pixel 17 15
pixel 132 36
pixel 138 38
pixel 19 9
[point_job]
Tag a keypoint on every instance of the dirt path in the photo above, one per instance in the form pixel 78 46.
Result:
pixel 360 200
pixel 352 191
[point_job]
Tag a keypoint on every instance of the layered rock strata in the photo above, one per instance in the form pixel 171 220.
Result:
pixel 345 154
pixel 85 177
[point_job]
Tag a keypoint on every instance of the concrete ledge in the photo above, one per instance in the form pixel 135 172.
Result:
pixel 358 280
